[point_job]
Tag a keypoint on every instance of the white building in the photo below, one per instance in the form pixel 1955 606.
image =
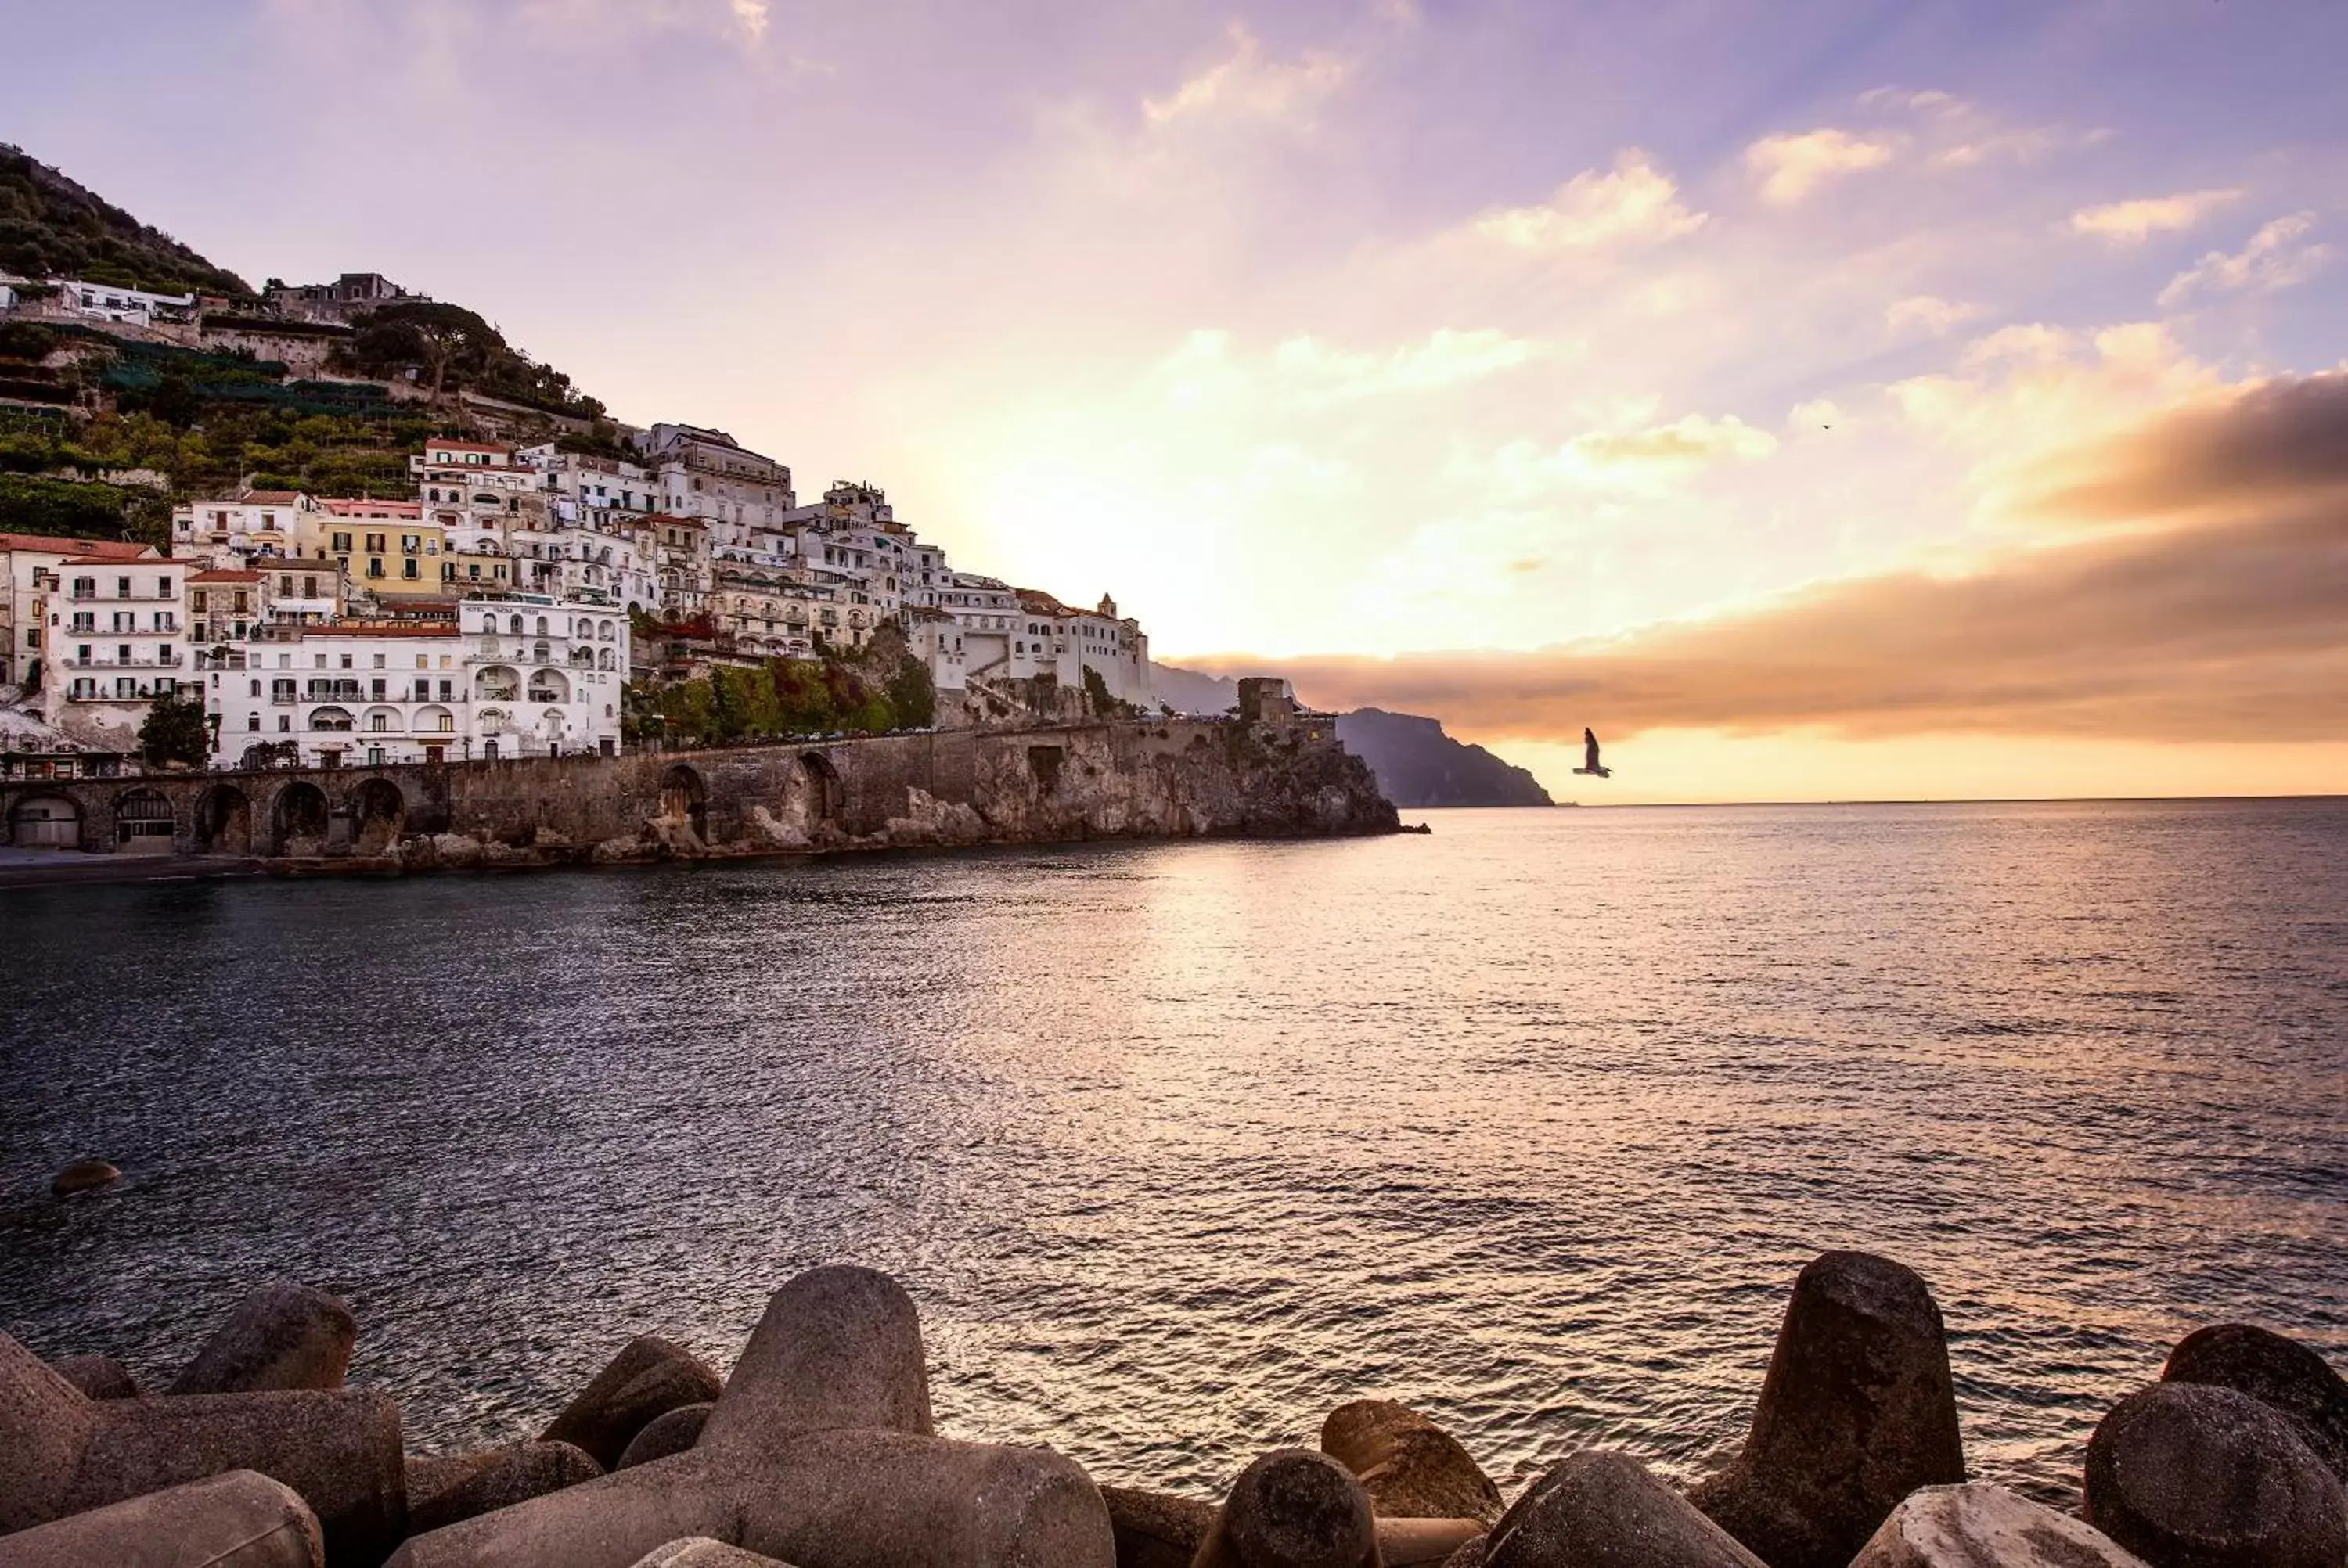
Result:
pixel 228 533
pixel 32 583
pixel 517 675
pixel 116 640
pixel 707 474
pixel 106 303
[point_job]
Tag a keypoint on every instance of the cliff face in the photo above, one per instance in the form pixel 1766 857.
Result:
pixel 1417 764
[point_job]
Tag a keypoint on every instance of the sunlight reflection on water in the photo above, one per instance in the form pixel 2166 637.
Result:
pixel 1530 1123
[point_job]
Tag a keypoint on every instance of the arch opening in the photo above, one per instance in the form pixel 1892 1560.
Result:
pixel 298 821
pixel 378 811
pixel 224 822
pixel 45 822
pixel 684 799
pixel 144 824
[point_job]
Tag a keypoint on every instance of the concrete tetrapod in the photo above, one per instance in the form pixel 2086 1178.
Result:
pixel 1292 1508
pixel 443 1491
pixel 649 1378
pixel 2274 1371
pixel 240 1520
pixel 1596 1509
pixel 819 1452
pixel 700 1552
pixel 62 1453
pixel 100 1376
pixel 1984 1526
pixel 280 1336
pixel 1410 1467
pixel 1154 1530
pixel 2189 1476
pixel 1856 1412
pixel 671 1432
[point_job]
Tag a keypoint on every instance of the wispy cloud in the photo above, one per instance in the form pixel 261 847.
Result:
pixel 1930 314
pixel 2277 257
pixel 2134 221
pixel 1634 200
pixel 1791 166
pixel 1248 83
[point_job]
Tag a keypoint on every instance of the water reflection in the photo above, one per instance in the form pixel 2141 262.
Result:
pixel 1529 1123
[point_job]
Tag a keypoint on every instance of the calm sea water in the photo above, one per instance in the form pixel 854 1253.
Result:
pixel 1529 1123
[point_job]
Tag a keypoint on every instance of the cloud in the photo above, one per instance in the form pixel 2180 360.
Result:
pixel 2274 259
pixel 1247 85
pixel 2133 222
pixel 1634 200
pixel 752 15
pixel 1207 372
pixel 1791 166
pixel 2223 626
pixel 1691 438
pixel 1930 314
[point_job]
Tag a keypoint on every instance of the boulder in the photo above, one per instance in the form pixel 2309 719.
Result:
pixel 445 1491
pixel 62 1453
pixel 456 851
pixel 1470 1553
pixel 1599 1510
pixel 2275 1371
pixel 1155 1530
pixel 2190 1476
pixel 1856 1412
pixel 1982 1526
pixel 649 1378
pixel 83 1177
pixel 670 1432
pixel 280 1336
pixel 1292 1508
pixel 701 1552
pixel 237 1520
pixel 1409 1466
pixel 100 1376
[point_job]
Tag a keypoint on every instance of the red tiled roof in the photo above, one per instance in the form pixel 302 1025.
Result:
pixel 436 443
pixel 222 574
pixel 118 560
pixel 383 628
pixel 266 498
pixel 1035 601
pixel 115 549
pixel 350 506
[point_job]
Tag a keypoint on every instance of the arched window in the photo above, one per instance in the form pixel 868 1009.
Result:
pixel 542 626
pixel 516 628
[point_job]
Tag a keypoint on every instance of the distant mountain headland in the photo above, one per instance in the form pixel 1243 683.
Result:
pixel 1415 763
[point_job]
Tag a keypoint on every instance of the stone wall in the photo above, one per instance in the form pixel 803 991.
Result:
pixel 1176 779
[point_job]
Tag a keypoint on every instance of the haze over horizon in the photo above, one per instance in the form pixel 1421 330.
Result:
pixel 1939 400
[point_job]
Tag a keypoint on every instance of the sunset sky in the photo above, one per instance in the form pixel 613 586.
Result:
pixel 1822 401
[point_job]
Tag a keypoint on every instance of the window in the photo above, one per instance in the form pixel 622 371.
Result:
pixel 253 721
pixel 284 723
pixel 256 688
pixel 343 543
pixel 407 569
pixel 122 588
pixel 309 588
pixel 374 566
pixel 197 601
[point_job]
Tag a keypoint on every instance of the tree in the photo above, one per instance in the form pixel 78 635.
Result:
pixel 175 732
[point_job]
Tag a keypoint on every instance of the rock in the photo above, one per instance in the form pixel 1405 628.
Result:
pixel 1856 1413
pixel 280 1336
pixel 100 1376
pixel 1601 1510
pixel 650 1377
pixel 700 1552
pixel 83 1177
pixel 2190 1476
pixel 62 1453
pixel 237 1520
pixel 819 1451
pixel 2275 1371
pixel 1292 1508
pixel 1154 1530
pixel 1983 1526
pixel 670 1432
pixel 456 851
pixel 475 1484
pixel 1469 1555
pixel 1409 1466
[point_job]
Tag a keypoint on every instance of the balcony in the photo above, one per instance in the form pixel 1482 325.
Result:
pixel 160 662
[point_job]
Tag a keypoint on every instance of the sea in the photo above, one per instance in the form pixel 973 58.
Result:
pixel 1529 1122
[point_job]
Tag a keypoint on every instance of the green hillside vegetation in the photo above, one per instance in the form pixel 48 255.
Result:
pixel 446 347
pixel 869 691
pixel 51 227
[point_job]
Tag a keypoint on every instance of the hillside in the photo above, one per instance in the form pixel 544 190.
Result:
pixel 52 227
pixel 1418 766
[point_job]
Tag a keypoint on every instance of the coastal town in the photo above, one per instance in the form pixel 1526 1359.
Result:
pixel 503 607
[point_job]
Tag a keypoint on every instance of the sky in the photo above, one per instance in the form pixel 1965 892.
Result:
pixel 1835 401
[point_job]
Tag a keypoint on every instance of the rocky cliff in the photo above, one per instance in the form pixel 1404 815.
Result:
pixel 1417 764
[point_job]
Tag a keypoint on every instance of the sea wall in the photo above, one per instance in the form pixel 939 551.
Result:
pixel 1126 780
